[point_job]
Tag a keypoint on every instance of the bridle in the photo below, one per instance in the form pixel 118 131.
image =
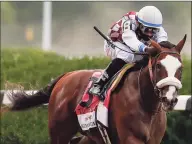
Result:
pixel 153 78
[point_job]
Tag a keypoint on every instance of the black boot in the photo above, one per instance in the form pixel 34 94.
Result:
pixel 108 73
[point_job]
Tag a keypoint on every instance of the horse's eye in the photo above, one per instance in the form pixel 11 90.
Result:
pixel 158 66
pixel 180 70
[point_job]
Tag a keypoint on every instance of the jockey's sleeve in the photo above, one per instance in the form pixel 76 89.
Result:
pixel 161 35
pixel 130 39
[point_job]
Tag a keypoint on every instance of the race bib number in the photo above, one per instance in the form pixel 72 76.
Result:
pixel 129 25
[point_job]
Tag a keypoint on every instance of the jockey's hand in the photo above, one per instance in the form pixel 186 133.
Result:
pixel 151 50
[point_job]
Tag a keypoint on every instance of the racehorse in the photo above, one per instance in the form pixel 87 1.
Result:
pixel 137 111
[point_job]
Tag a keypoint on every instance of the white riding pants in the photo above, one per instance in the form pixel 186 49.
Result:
pixel 118 53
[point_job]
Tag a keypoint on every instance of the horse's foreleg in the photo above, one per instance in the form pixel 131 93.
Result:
pixel 86 140
pixel 132 140
pixel 153 141
pixel 158 128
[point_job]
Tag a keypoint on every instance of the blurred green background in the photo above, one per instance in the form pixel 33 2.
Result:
pixel 72 24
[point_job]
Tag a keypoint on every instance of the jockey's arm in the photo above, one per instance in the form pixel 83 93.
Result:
pixel 161 35
pixel 130 39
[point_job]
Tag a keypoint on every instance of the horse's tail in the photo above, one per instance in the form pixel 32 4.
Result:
pixel 22 101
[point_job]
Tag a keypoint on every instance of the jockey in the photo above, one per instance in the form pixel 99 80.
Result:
pixel 131 33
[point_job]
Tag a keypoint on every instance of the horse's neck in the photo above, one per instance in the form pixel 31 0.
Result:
pixel 149 100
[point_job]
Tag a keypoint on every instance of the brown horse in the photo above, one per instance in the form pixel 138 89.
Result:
pixel 137 108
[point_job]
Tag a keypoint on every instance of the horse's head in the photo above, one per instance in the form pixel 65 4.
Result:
pixel 166 71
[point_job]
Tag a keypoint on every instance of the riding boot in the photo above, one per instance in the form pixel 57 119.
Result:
pixel 108 73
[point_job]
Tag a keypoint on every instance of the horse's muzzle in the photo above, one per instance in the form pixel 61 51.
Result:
pixel 169 104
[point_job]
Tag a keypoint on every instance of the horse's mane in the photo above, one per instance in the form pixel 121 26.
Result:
pixel 136 67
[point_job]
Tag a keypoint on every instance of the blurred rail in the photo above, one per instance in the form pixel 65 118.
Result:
pixel 184 101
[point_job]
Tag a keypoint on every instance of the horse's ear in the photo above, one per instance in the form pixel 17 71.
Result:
pixel 155 45
pixel 181 44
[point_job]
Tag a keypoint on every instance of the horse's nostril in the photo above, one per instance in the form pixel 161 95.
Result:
pixel 164 99
pixel 174 101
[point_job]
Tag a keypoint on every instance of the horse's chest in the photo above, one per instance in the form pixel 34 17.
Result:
pixel 140 126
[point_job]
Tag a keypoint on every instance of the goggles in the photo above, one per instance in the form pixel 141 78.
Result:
pixel 150 31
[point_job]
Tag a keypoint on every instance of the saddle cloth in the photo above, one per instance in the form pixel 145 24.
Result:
pixel 91 110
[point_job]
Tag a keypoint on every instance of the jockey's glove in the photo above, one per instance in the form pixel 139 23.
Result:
pixel 151 51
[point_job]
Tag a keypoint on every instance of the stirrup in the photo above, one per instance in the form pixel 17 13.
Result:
pixel 95 90
pixel 98 93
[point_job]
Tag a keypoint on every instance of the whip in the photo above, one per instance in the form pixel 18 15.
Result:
pixel 114 46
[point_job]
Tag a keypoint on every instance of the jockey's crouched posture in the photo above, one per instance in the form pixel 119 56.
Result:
pixel 131 33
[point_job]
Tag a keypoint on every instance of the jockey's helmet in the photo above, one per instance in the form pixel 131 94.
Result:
pixel 150 20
